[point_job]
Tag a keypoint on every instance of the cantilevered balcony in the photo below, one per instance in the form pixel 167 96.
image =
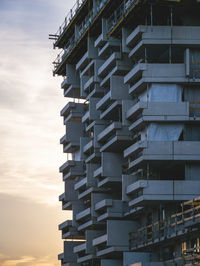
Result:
pixel 114 138
pixel 143 36
pixel 85 219
pixel 109 209
pixel 181 224
pixel 115 241
pixel 106 176
pixel 113 66
pixel 92 152
pixel 85 251
pixel 101 40
pixel 90 80
pixel 71 169
pixel 110 104
pixel 144 192
pixel 66 203
pixel 68 258
pixel 73 112
pixel 143 112
pixel 110 45
pixel 71 140
pixel 91 113
pixel 85 187
pixel 143 73
pixel 71 83
pixel 70 196
pixel 106 181
pixel 109 64
pixel 69 146
pixel 150 151
pixel 109 107
pixel 81 251
pixel 69 231
pixel 175 110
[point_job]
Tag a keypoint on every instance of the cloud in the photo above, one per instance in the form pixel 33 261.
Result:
pixel 36 17
pixel 29 261
pixel 29 229
pixel 30 101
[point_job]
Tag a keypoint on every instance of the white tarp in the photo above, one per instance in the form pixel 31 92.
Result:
pixel 164 132
pixel 165 93
pixel 77 156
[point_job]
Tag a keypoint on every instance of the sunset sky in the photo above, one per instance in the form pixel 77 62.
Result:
pixel 30 102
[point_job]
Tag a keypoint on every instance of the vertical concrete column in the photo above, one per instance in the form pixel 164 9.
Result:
pixel 125 33
pixel 104 28
pixel 94 7
pixel 76 33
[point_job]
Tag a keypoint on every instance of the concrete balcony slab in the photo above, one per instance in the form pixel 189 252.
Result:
pixel 110 112
pixel 108 64
pixel 181 35
pixel 99 240
pixel 73 91
pixel 104 101
pixel 83 61
pixel 116 143
pixel 103 51
pixel 164 150
pixel 88 147
pixel 120 69
pixel 81 184
pixel 109 182
pixel 83 214
pixel 109 130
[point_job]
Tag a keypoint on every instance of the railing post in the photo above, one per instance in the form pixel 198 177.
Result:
pixel 182 215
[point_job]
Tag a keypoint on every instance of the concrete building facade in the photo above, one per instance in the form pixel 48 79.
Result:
pixel 131 71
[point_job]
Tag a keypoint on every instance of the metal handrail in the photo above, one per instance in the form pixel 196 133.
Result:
pixel 119 13
pixel 61 56
pixel 157 229
pixel 82 28
pixel 69 17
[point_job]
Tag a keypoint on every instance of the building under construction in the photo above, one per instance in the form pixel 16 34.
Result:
pixel 131 75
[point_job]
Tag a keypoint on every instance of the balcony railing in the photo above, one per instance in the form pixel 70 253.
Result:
pixel 81 30
pixel 119 13
pixel 69 17
pixel 167 228
pixel 61 56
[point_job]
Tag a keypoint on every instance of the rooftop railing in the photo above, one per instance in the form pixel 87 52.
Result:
pixel 81 30
pixel 119 13
pixel 61 56
pixel 112 21
pixel 69 17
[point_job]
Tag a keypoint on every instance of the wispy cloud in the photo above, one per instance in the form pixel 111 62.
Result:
pixel 29 104
pixel 30 154
pixel 29 261
pixel 29 229
pixel 30 101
